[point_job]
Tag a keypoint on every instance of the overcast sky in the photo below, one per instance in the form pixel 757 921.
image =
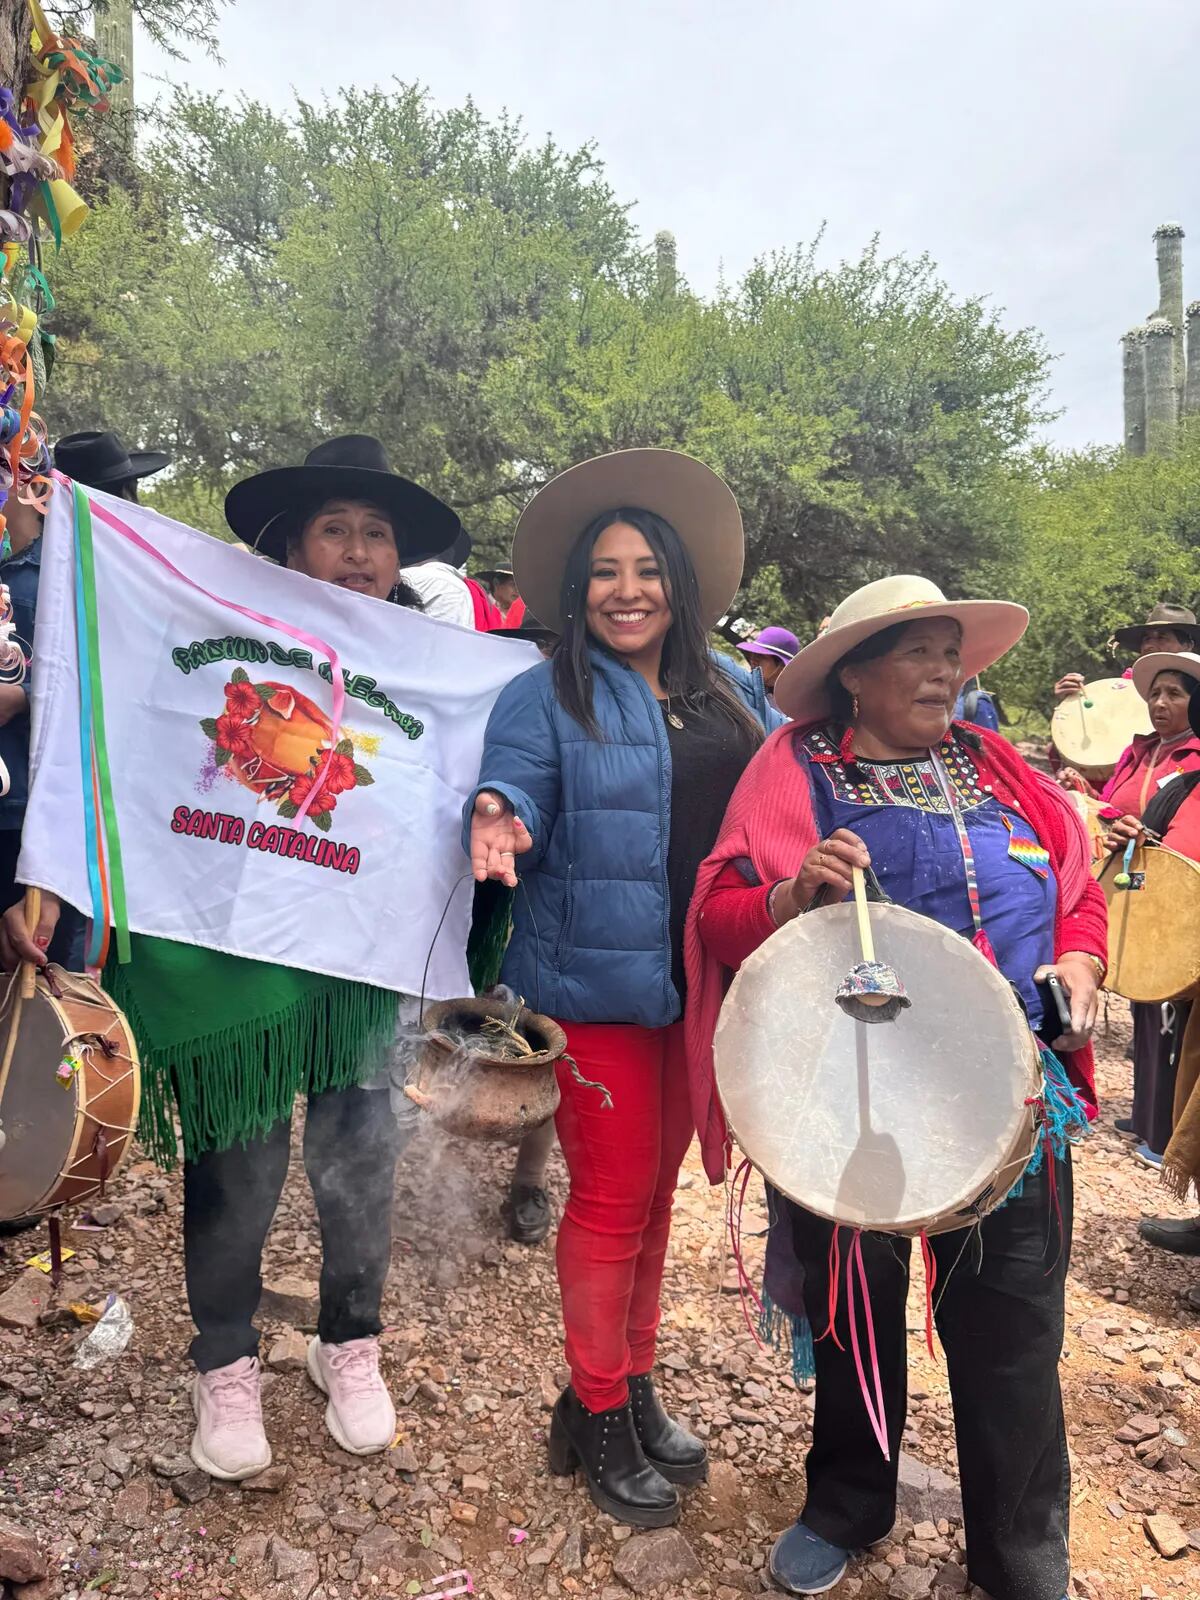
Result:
pixel 1030 147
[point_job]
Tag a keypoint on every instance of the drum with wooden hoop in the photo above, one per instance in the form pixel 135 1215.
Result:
pixel 1090 810
pixel 1090 730
pixel 1153 923
pixel 919 1125
pixel 69 1105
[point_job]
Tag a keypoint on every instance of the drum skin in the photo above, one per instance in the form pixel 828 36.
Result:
pixel 64 1143
pixel 1091 738
pixel 1154 926
pixel 920 1125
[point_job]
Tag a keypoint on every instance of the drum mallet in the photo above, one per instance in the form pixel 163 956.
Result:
pixel 25 980
pixel 871 991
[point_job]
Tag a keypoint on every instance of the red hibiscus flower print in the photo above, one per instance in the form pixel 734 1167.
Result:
pixel 301 788
pixel 233 734
pixel 242 700
pixel 338 770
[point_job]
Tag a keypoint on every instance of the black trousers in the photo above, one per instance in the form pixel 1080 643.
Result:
pixel 351 1141
pixel 1000 1317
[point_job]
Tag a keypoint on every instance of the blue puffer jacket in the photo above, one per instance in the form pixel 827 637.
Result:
pixel 590 938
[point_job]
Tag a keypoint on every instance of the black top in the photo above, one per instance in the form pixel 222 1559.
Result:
pixel 708 756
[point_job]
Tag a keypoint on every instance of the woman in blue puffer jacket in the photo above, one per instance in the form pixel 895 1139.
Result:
pixel 604 779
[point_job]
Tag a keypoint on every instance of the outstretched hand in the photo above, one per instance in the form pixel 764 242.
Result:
pixel 498 837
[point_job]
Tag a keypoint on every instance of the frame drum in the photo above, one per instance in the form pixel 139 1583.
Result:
pixel 71 1101
pixel 920 1125
pixel 1090 730
pixel 1153 924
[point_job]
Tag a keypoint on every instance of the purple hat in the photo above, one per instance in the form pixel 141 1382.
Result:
pixel 777 642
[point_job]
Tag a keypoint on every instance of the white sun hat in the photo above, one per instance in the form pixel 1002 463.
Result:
pixel 990 628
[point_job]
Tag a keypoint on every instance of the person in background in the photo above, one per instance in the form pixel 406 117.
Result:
pixel 1169 628
pixel 769 652
pixel 440 586
pixel 101 461
pixel 503 585
pixel 1153 788
pixel 605 773
pixel 975 704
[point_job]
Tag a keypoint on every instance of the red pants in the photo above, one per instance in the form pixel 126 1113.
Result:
pixel 623 1165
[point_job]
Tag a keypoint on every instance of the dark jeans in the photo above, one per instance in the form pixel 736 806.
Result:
pixel 351 1141
pixel 66 947
pixel 999 1301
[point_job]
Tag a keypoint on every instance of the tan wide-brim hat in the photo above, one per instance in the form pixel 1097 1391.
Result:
pixel 990 628
pixel 1147 668
pixel 697 503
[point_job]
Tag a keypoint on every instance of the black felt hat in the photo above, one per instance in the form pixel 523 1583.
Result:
pixel 263 509
pixel 101 461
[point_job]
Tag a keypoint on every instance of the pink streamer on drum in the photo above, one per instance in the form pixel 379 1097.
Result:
pixel 875 1411
pixel 746 1289
pixel 309 639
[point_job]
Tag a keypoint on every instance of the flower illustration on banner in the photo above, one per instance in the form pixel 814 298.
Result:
pixel 275 742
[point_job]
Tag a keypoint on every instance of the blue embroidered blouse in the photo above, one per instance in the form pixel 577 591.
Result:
pixel 899 811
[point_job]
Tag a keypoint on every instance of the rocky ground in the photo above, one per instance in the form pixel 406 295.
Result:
pixel 94 1468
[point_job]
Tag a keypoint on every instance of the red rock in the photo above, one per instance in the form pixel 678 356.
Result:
pixel 25 1299
pixel 21 1561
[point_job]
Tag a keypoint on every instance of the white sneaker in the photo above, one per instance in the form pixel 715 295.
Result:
pixel 360 1414
pixel 229 1441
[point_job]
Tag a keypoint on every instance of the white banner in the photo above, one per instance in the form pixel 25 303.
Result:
pixel 214 724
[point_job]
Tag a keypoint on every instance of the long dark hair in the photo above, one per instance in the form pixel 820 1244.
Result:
pixel 688 673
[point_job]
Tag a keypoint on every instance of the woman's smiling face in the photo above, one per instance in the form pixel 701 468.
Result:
pixel 628 607
pixel 349 543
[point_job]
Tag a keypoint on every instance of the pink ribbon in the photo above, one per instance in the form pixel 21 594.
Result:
pixel 319 645
pixel 875 1412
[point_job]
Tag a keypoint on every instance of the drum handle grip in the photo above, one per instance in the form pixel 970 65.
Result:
pixel 33 910
pixel 864 916
pixel 25 980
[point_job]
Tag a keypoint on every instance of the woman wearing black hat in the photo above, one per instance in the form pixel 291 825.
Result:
pixel 233 1041
pixel 101 461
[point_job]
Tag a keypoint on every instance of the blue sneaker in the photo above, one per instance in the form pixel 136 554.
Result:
pixel 1150 1157
pixel 804 1563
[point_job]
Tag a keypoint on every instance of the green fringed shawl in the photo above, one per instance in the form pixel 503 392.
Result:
pixel 491 928
pixel 230 1043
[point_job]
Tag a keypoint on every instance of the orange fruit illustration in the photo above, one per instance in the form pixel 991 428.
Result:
pixel 289 731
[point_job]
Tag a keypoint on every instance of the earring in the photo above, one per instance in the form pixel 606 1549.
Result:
pixel 854 708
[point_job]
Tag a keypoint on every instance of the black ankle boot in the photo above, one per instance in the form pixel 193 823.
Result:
pixel 671 1450
pixel 619 1478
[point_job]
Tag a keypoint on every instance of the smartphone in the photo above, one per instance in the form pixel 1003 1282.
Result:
pixel 1055 1003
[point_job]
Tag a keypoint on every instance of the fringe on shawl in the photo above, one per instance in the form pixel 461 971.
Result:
pixel 491 928
pixel 790 1334
pixel 1063 1121
pixel 244 1080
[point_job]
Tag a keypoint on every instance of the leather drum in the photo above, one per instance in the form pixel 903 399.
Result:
pixel 1153 924
pixel 919 1125
pixel 70 1102
pixel 1090 730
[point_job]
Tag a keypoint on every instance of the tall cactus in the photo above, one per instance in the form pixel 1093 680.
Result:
pixel 1162 396
pixel 1168 250
pixel 1191 393
pixel 114 41
pixel 666 270
pixel 1133 370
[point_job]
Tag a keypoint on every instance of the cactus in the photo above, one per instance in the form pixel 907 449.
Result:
pixel 1162 396
pixel 1191 393
pixel 1168 250
pixel 1133 368
pixel 665 261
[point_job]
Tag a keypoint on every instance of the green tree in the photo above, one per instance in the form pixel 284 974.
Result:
pixel 488 309
pixel 1100 538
